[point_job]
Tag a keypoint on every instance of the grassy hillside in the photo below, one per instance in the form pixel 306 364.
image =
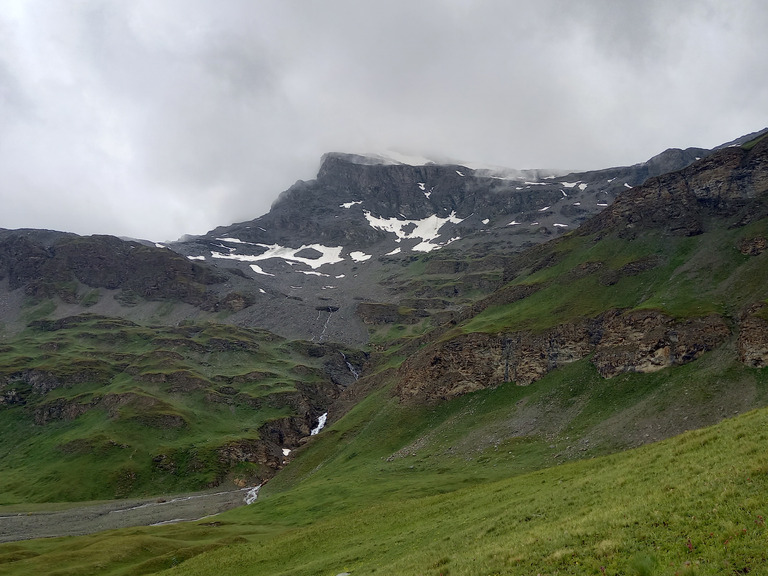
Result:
pixel 582 276
pixel 94 407
pixel 693 504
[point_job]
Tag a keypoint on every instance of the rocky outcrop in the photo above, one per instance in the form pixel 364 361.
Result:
pixel 753 246
pixel 147 410
pixel 646 341
pixel 678 202
pixel 634 341
pixel 752 343
pixel 266 454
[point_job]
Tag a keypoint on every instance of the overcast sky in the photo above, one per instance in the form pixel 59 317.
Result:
pixel 156 118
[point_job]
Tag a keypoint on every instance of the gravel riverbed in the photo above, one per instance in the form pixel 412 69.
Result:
pixel 115 514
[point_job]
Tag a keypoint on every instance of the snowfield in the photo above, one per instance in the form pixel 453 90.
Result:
pixel 329 254
pixel 426 230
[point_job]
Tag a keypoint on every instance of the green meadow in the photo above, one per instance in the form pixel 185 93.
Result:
pixel 97 408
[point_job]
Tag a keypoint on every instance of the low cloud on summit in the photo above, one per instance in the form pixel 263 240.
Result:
pixel 156 118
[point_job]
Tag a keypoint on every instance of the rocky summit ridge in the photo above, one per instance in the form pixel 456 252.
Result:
pixel 331 249
pixel 366 217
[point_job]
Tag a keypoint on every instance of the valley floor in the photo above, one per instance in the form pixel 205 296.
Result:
pixel 16 525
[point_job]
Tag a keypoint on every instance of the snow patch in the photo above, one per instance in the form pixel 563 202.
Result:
pixel 582 187
pixel 286 451
pixel 395 251
pixel 627 185
pixel 196 257
pixel 262 290
pixel 350 204
pixel 256 268
pixel 427 229
pixel 232 240
pixel 486 221
pixel 313 273
pixel 459 173
pixel 569 184
pixel 422 186
pixel 320 424
pixel 536 184
pixel 560 225
pixel 513 223
pixel 229 248
pixel 545 208
pixel 602 204
pixel 329 255
pixel 158 245
pixel 359 256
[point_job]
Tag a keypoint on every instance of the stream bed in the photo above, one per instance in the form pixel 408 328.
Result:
pixel 80 520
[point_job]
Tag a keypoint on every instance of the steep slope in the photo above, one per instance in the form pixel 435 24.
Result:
pixel 45 273
pixel 372 230
pixel 367 230
pixel 670 271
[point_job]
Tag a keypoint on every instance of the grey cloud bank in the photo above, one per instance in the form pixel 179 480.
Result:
pixel 158 118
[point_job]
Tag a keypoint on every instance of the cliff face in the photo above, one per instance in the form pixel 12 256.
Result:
pixel 330 209
pixel 632 341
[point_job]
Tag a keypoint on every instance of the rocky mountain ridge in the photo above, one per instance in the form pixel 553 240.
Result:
pixel 729 189
pixel 303 269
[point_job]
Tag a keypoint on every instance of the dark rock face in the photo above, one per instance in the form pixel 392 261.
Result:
pixel 48 270
pixel 358 214
pixel 329 209
pixel 722 184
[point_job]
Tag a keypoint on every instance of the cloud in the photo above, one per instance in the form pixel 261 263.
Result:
pixel 159 118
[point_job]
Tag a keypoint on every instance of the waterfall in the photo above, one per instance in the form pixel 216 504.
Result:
pixel 351 368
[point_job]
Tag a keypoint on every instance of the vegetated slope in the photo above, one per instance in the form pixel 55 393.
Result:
pixel 673 269
pixel 94 407
pixel 628 332
pixel 693 504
